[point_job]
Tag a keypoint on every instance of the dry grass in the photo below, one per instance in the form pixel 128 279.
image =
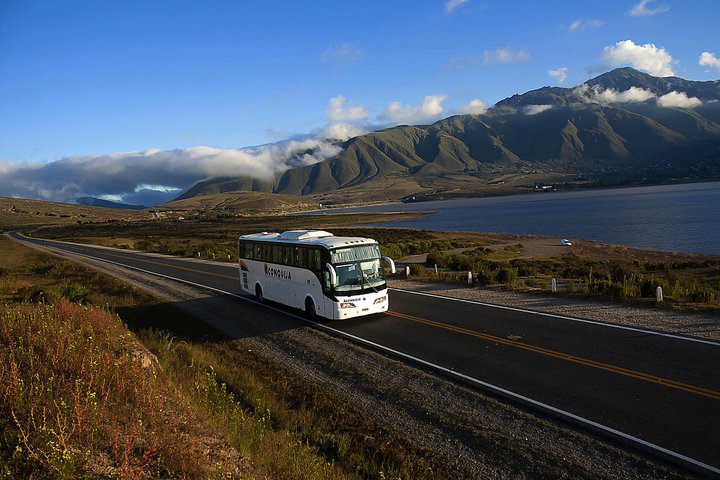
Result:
pixel 82 397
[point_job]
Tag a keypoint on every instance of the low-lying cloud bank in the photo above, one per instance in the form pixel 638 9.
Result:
pixel 596 94
pixel 155 176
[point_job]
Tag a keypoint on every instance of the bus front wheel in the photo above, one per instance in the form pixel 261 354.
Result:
pixel 259 294
pixel 310 309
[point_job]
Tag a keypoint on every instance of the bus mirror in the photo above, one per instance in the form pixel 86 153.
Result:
pixel 391 263
pixel 333 275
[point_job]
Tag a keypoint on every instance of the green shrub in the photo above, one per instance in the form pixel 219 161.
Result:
pixel 73 292
pixel 506 275
pixel 417 269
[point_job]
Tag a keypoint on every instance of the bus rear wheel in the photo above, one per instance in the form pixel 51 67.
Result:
pixel 259 294
pixel 310 309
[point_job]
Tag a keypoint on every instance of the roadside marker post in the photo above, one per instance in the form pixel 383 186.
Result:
pixel 659 295
pixel 554 285
pixel 469 278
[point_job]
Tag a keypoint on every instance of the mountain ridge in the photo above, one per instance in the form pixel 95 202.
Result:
pixel 580 136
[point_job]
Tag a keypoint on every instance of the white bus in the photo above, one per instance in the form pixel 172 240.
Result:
pixel 326 276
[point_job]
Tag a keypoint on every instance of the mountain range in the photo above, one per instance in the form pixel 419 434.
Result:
pixel 622 127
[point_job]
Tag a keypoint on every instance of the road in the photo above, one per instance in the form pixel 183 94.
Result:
pixel 657 391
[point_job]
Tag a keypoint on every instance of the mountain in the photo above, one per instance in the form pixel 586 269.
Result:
pixel 618 128
pixel 98 202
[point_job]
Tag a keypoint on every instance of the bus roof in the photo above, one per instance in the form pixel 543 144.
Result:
pixel 308 237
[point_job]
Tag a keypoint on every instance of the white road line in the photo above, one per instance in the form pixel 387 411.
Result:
pixel 440 368
pixel 562 317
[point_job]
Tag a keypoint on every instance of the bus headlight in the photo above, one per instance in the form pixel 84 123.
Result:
pixel 347 305
pixel 380 300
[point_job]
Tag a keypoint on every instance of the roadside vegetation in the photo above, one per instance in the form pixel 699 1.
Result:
pixel 99 380
pixel 587 269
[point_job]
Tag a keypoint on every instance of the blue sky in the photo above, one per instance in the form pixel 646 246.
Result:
pixel 84 78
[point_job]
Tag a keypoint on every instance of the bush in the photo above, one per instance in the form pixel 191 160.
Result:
pixel 417 269
pixel 73 292
pixel 506 275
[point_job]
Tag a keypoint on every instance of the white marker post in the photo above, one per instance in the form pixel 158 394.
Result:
pixel 553 285
pixel 469 278
pixel 658 294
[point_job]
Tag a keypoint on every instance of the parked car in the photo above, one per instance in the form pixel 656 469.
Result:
pixel 565 242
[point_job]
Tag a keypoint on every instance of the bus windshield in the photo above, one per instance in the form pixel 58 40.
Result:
pixel 358 269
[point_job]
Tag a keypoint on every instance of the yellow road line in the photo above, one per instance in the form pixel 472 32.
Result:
pixel 564 356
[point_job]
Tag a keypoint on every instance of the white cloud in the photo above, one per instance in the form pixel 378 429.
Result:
pixel 343 53
pixel 535 109
pixel 159 174
pixel 452 5
pixel 635 95
pixel 649 58
pixel 504 55
pixel 559 74
pixel 678 99
pixel 582 25
pixel 597 95
pixel 641 9
pixel 339 110
pixel 475 107
pixel 709 59
pixel 398 113
pixel 342 131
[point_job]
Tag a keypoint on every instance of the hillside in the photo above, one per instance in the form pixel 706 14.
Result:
pixel 16 212
pixel 613 130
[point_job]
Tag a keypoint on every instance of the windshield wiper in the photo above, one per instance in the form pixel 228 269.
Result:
pixel 364 280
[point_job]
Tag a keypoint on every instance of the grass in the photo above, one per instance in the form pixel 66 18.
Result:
pixel 589 269
pixel 99 378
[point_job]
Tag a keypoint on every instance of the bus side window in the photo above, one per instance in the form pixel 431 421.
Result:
pixel 267 249
pixel 276 254
pixel 287 255
pixel 302 257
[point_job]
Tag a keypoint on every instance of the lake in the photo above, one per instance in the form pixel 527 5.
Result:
pixel 679 218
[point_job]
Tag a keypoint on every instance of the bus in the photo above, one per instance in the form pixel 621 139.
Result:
pixel 313 270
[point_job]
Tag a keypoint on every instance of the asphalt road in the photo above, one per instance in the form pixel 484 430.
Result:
pixel 657 391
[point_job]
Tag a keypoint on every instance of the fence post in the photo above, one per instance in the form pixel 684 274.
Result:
pixel 658 294
pixel 553 284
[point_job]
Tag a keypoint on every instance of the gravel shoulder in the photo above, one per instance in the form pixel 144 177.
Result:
pixel 472 432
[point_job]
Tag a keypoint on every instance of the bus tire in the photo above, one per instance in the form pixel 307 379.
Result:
pixel 310 310
pixel 259 294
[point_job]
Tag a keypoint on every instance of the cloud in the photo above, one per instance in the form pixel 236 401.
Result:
pixel 452 5
pixel 475 107
pixel 397 113
pixel 339 54
pixel 535 109
pixel 709 59
pixel 155 175
pixel 679 100
pixel 559 74
pixel 504 55
pixel 582 25
pixel 597 95
pixel 338 110
pixel 641 9
pixel 649 58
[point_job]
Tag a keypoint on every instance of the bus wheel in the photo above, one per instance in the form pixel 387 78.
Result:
pixel 259 294
pixel 310 309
